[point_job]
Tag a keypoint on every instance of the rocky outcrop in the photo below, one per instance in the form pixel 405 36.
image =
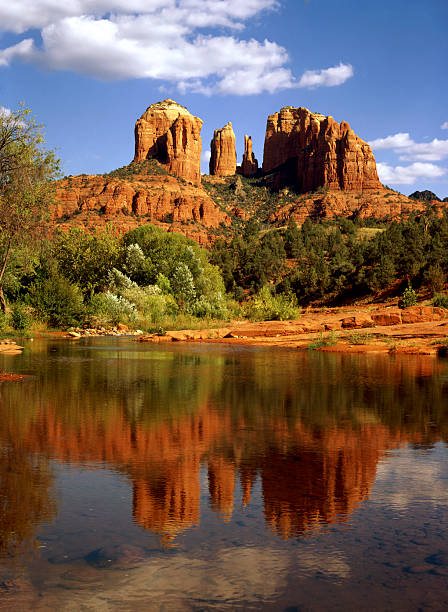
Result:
pixel 223 153
pixel 309 150
pixel 169 133
pixel 249 165
pixel 93 201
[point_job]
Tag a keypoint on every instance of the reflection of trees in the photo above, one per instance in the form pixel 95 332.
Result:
pixel 25 488
pixel 311 428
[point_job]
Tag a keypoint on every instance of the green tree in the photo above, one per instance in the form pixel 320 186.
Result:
pixel 86 259
pixel 26 189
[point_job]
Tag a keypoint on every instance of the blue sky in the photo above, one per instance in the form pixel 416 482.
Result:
pixel 89 68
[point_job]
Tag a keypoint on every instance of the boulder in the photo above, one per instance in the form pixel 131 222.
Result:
pixel 169 133
pixel 387 317
pixel 357 322
pixel 422 314
pixel 310 151
pixel 223 153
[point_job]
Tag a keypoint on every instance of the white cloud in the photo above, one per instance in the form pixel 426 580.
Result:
pixel 206 156
pixel 406 175
pixel 409 150
pixel 329 77
pixel 444 125
pixel 157 39
pixel 5 112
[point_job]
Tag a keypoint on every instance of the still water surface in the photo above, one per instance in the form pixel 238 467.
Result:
pixel 209 477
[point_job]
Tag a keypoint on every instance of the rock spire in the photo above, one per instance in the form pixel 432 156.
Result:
pixel 249 165
pixel 223 154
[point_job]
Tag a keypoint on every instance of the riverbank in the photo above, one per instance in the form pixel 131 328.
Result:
pixel 414 330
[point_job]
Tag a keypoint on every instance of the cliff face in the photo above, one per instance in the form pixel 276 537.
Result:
pixel 309 150
pixel 93 201
pixel 169 133
pixel 249 165
pixel 223 153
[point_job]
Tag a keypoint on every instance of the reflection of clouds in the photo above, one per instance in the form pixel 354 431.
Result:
pixel 409 476
pixel 233 575
pixel 331 563
pixel 249 576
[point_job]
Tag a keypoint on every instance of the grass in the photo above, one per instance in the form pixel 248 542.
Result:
pixel 324 340
pixel 357 337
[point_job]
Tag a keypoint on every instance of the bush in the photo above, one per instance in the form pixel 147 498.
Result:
pixel 57 301
pixel 3 322
pixel 409 298
pixel 110 309
pixel 267 307
pixel 21 319
pixel 440 300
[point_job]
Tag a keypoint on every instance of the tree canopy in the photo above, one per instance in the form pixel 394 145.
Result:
pixel 26 171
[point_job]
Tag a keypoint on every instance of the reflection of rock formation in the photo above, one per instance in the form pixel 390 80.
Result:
pixel 314 454
pixel 25 499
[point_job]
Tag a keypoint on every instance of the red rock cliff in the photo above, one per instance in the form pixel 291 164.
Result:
pixel 169 133
pixel 223 154
pixel 311 150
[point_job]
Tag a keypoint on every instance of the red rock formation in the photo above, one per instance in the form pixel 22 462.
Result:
pixel 96 200
pixel 310 151
pixel 223 154
pixel 249 165
pixel 169 133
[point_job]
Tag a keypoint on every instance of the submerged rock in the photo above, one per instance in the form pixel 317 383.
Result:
pixel 117 556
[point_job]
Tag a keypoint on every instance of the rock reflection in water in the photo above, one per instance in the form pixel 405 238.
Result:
pixel 311 430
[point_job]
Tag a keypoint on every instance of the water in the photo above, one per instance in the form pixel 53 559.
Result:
pixel 209 477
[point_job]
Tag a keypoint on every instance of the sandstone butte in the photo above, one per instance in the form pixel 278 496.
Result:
pixel 303 152
pixel 309 150
pixel 223 153
pixel 169 133
pixel 249 165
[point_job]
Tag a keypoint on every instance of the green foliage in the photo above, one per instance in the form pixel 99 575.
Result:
pixel 86 259
pixel 329 339
pixel 265 306
pixel 148 167
pixel 110 309
pixel 26 190
pixel 440 300
pixel 409 298
pixel 57 301
pixel 21 319
pixel 358 337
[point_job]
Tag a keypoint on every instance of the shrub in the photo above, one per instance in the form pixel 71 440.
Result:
pixel 57 301
pixel 268 307
pixel 110 309
pixel 409 298
pixel 440 300
pixel 20 317
pixel 324 340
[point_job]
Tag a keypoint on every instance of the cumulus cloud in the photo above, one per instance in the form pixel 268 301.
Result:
pixel 444 125
pixel 169 40
pixel 407 175
pixel 409 150
pixel 330 77
pixel 4 112
pixel 205 157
